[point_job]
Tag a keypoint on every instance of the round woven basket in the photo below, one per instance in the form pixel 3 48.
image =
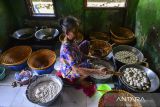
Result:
pixel 100 44
pixel 122 41
pixel 122 33
pixel 122 36
pixel 41 59
pixel 16 55
pixel 117 98
pixel 100 36
pixel 78 39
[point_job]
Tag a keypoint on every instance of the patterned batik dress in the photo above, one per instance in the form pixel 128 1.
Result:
pixel 71 55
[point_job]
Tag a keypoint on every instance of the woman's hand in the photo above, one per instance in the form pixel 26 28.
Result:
pixel 87 72
pixel 83 72
pixel 102 71
pixel 92 57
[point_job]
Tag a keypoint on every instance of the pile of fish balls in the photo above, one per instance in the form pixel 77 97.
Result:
pixel 126 57
pixel 137 78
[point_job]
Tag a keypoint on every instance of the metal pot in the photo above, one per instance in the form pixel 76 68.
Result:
pixel 138 53
pixel 46 34
pixel 23 34
pixel 155 82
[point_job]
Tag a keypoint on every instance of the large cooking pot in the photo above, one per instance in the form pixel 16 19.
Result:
pixel 37 82
pixel 101 78
pixel 150 74
pixel 23 34
pixel 46 34
pixel 141 59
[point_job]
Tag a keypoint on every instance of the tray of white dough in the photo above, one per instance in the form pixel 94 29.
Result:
pixel 44 89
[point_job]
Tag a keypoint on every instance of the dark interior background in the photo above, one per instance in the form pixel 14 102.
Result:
pixel 141 16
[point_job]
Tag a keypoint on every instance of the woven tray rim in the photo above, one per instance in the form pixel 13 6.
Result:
pixel 37 52
pixel 16 63
pixel 79 33
pixel 105 35
pixel 119 37
pixel 138 104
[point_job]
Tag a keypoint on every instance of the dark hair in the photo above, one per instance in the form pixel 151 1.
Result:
pixel 68 23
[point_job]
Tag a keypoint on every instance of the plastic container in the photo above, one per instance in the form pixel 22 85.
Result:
pixel 103 88
pixel 18 67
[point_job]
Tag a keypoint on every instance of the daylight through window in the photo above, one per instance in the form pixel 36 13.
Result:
pixel 106 3
pixel 42 7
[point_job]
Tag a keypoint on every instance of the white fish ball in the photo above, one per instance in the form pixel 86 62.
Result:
pixel 147 86
pixel 131 83
pixel 138 84
pixel 144 88
pixel 129 78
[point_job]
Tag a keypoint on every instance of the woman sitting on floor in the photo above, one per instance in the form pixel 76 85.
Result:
pixel 74 66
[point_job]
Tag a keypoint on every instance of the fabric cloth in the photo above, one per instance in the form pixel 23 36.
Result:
pixel 23 76
pixel 73 55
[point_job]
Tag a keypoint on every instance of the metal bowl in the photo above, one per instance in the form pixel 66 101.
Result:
pixel 23 34
pixel 131 49
pixel 40 79
pixel 46 34
pixel 105 64
pixel 151 75
pixel 138 53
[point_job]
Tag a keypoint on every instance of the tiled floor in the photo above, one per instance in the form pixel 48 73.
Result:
pixel 70 97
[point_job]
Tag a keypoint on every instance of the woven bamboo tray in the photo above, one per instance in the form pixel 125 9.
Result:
pixel 122 33
pixel 100 36
pixel 122 41
pixel 113 98
pixel 41 59
pixel 16 55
